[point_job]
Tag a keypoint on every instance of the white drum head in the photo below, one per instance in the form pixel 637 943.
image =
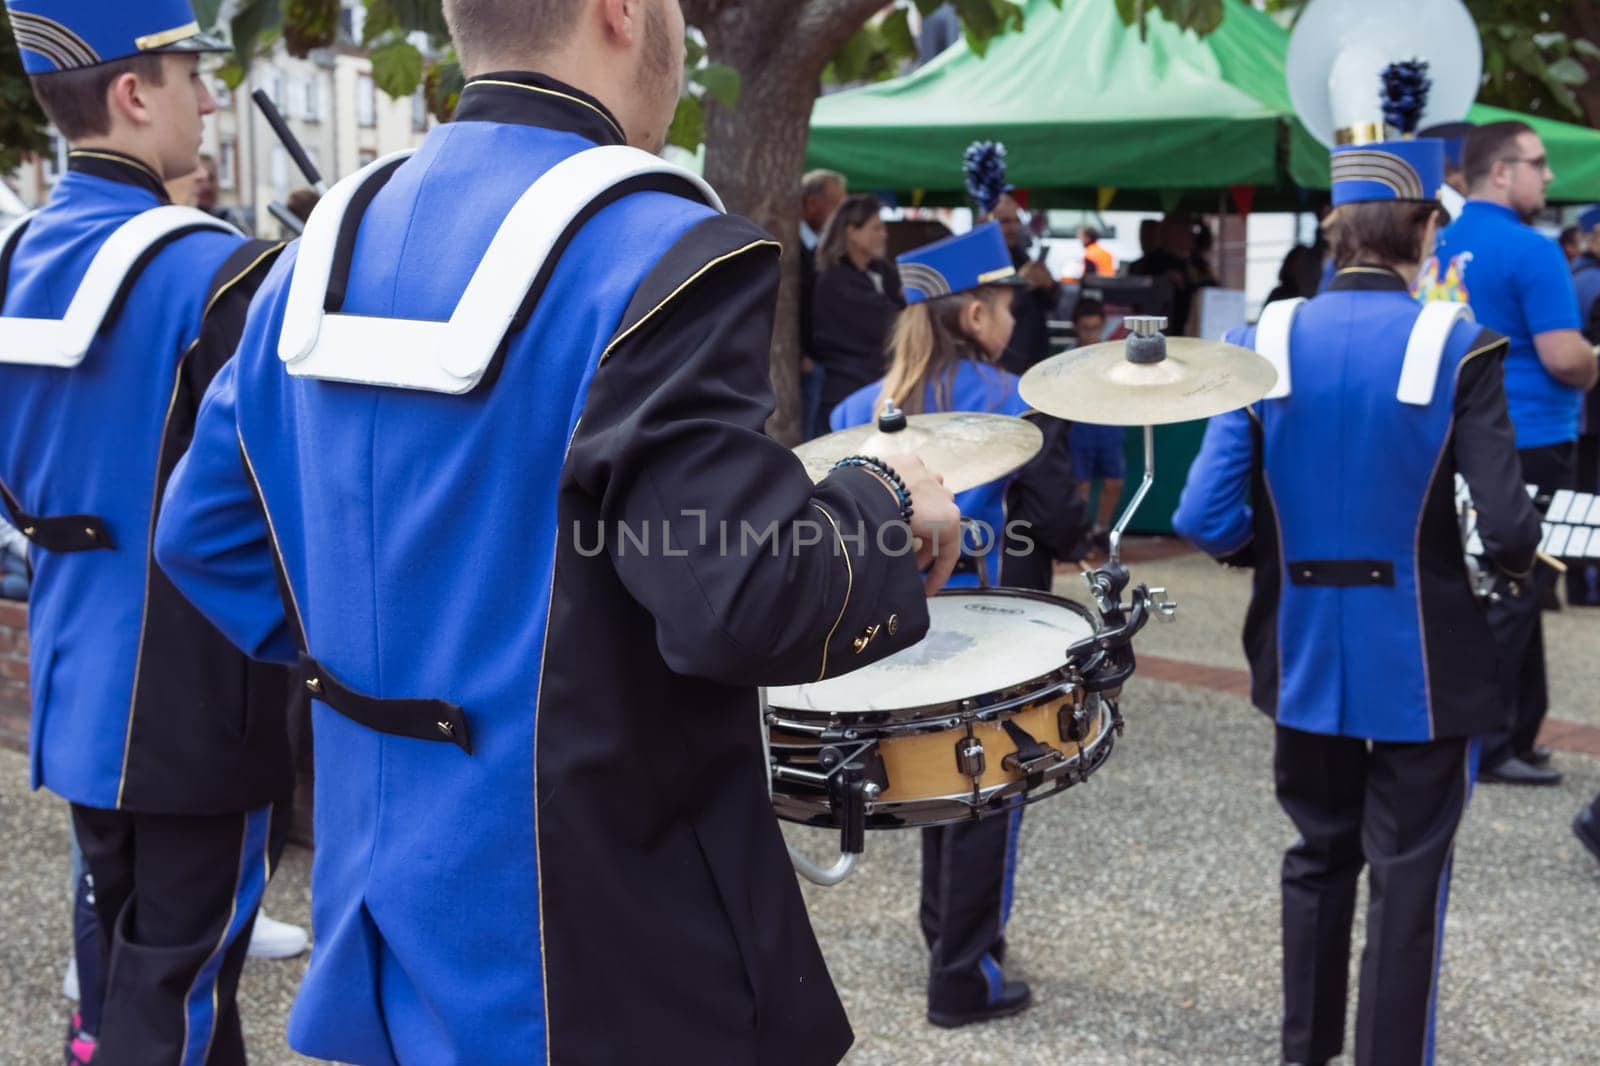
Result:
pixel 979 641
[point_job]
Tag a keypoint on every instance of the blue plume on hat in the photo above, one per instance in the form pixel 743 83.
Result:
pixel 1405 93
pixel 985 166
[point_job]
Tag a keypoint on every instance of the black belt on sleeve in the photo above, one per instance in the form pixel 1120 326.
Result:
pixel 435 720
pixel 67 533
pixel 1342 573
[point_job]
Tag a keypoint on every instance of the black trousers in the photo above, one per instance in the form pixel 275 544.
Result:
pixel 1395 809
pixel 968 873
pixel 1518 628
pixel 176 896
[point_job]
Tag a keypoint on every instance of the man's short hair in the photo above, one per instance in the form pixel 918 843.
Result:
pixel 75 100
pixel 1086 307
pixel 816 183
pixel 484 29
pixel 1487 145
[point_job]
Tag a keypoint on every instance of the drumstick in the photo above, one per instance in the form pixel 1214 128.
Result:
pixel 1559 566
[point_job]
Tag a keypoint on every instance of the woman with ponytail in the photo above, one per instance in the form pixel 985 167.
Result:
pixel 943 350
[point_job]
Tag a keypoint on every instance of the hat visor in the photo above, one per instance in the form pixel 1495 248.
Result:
pixel 198 42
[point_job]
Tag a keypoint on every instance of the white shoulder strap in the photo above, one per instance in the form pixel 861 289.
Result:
pixel 1425 350
pixel 1272 340
pixel 450 356
pixel 64 342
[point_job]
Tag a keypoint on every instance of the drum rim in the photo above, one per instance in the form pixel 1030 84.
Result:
pixel 1063 678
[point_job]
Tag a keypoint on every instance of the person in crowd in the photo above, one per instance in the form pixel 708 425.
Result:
pixel 1168 247
pixel 855 300
pixel 205 192
pixel 821 193
pixel 1097 451
pixel 1571 241
pixel 1366 643
pixel 1583 579
pixel 1035 300
pixel 1518 284
pixel 169 744
pixel 1300 274
pixel 944 354
pixel 510 865
pixel 1096 256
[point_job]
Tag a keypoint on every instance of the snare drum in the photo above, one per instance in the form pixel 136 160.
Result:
pixel 986 707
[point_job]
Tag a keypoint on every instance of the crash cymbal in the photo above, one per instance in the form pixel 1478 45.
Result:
pixel 967 448
pixel 1100 384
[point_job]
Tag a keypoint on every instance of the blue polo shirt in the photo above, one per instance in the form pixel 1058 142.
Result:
pixel 1517 282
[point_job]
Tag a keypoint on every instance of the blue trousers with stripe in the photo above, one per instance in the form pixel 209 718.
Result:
pixel 968 880
pixel 1393 808
pixel 176 896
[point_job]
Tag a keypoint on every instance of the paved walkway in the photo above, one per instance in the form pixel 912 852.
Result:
pixel 1146 911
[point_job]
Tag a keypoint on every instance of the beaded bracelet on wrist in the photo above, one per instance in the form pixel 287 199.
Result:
pixel 887 473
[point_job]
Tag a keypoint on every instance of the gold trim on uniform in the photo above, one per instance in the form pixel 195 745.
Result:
pixel 116 157
pixel 1360 133
pixel 996 275
pixel 166 37
pixel 690 280
pixel 551 92
pixel 849 588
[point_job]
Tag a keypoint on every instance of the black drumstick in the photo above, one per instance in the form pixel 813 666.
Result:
pixel 291 143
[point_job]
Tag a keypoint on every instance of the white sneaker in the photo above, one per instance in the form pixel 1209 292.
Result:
pixel 69 981
pixel 272 939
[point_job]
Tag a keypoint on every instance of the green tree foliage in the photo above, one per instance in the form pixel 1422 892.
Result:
pixel 1537 55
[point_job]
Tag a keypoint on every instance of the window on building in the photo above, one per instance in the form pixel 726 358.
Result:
pixel 365 156
pixel 419 112
pixel 221 93
pixel 227 163
pixel 366 101
pixel 280 170
pixel 313 100
pixel 275 90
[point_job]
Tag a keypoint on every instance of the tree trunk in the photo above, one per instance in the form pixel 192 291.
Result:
pixel 1581 21
pixel 755 154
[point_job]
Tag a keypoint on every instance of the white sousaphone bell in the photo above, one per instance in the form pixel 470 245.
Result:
pixel 1339 49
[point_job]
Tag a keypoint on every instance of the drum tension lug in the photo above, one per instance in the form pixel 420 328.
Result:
pixel 1072 722
pixel 851 790
pixel 970 759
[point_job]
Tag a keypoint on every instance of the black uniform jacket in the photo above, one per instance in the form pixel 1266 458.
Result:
pixel 672 430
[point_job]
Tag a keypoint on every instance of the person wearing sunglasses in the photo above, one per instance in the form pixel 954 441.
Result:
pixel 1517 282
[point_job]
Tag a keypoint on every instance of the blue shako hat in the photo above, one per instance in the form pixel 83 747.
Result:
pixel 957 264
pixel 56 35
pixel 1407 169
pixel 1388 170
pixel 1589 220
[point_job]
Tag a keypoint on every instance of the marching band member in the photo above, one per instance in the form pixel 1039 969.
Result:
pixel 544 831
pixel 117 310
pixel 1365 640
pixel 943 356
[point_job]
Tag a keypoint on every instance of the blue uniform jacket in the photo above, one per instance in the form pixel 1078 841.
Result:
pixel 138 703
pixel 1362 621
pixel 562 554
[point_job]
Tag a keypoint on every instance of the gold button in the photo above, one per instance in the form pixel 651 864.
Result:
pixel 315 685
pixel 1306 574
pixel 89 532
pixel 447 728
pixel 29 531
pixel 1377 575
pixel 894 624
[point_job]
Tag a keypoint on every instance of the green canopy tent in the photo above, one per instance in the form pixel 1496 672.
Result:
pixel 1084 105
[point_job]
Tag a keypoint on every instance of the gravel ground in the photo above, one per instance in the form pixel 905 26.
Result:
pixel 1146 912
